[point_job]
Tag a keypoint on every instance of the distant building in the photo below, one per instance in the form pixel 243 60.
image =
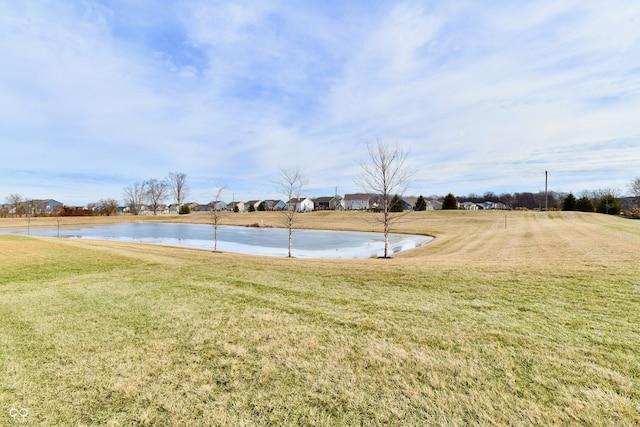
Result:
pixel 328 203
pixel 357 201
pixel 303 204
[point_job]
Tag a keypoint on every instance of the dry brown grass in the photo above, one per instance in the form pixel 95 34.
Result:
pixel 532 324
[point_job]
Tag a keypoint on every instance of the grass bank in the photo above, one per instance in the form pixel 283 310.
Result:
pixel 532 320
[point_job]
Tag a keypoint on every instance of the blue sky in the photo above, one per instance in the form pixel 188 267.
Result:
pixel 485 96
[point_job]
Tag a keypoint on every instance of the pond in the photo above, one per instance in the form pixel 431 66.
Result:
pixel 246 240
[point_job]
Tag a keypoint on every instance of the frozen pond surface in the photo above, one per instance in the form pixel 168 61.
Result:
pixel 247 240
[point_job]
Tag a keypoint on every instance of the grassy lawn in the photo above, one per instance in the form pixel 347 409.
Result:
pixel 525 319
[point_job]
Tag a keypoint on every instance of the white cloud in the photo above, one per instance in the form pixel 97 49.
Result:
pixel 485 97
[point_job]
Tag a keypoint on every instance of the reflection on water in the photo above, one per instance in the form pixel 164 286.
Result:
pixel 249 240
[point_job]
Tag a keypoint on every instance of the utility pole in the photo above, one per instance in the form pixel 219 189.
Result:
pixel 546 194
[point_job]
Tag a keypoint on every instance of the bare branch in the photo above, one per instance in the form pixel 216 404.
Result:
pixel 291 183
pixel 635 190
pixel 156 192
pixel 178 183
pixel 15 200
pixel 385 174
pixel 134 196
pixel 215 215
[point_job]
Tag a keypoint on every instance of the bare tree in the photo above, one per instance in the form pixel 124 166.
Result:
pixel 107 206
pixel 29 211
pixel 635 190
pixel 58 214
pixel 156 193
pixel 215 216
pixel 507 199
pixel 385 173
pixel 602 193
pixel 134 197
pixel 15 200
pixel 291 183
pixel 178 183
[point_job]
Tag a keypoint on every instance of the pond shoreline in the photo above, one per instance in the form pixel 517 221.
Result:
pixel 251 240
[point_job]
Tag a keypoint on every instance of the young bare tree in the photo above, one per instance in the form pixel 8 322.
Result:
pixel 385 173
pixel 134 197
pixel 215 216
pixel 156 193
pixel 58 213
pixel 29 211
pixel 291 183
pixel 178 183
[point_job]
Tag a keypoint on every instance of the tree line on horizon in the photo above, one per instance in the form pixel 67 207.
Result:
pixel 154 192
pixel 385 173
pixel 603 200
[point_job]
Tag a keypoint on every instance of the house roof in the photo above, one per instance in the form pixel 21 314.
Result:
pixel 357 196
pixel 325 199
pixel 411 200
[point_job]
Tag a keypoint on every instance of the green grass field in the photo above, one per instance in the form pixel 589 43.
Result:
pixel 528 319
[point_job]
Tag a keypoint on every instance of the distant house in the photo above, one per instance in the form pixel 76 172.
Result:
pixel 274 205
pixel 197 207
pixel 328 203
pixel 193 206
pixel 303 204
pixel 470 206
pixel 409 203
pixel 218 205
pixel 494 205
pixel 357 201
pixel 236 206
pixel 488 205
pixel 336 203
pixel 254 203
pixel 321 203
pixel 40 207
pixel 434 205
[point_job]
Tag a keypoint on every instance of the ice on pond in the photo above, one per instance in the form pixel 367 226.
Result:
pixel 249 240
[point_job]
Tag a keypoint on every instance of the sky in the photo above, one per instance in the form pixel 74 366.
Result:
pixel 97 95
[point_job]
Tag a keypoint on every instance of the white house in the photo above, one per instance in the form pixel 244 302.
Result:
pixel 236 206
pixel 470 206
pixel 255 203
pixel 356 201
pixel 434 205
pixel 302 204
